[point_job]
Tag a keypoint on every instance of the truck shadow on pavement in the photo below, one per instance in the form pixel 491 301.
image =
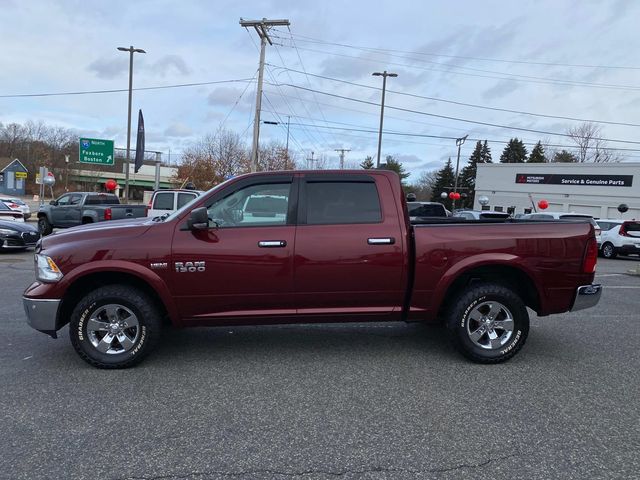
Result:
pixel 313 341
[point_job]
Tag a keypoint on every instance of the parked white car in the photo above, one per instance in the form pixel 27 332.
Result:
pixel 619 237
pixel 168 201
pixel 17 205
pixel 564 216
pixel 7 214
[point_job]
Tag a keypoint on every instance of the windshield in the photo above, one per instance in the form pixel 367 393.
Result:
pixel 189 205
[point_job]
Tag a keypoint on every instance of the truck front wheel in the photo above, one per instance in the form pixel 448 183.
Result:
pixel 114 327
pixel 44 226
pixel 488 323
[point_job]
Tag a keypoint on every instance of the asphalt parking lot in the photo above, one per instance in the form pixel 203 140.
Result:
pixel 339 401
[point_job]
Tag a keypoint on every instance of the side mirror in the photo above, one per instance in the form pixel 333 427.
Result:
pixel 198 219
pixel 53 202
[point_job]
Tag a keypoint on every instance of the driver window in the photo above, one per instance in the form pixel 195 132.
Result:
pixel 253 206
pixel 64 200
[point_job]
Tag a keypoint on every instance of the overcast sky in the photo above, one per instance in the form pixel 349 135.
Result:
pixel 439 49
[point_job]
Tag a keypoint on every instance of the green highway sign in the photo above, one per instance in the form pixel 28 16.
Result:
pixel 95 150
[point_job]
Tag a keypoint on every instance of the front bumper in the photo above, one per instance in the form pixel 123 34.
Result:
pixel 587 296
pixel 42 314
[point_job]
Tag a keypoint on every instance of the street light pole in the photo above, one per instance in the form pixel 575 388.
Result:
pixel 384 76
pixel 459 142
pixel 269 122
pixel 131 51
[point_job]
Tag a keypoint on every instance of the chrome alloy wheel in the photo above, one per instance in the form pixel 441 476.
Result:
pixel 490 325
pixel 113 329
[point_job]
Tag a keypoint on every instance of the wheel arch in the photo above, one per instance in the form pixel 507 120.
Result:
pixel 83 284
pixel 508 276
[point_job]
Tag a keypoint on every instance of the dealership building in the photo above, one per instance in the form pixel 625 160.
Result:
pixel 593 188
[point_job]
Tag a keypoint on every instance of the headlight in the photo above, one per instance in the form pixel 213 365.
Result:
pixel 46 269
pixel 6 231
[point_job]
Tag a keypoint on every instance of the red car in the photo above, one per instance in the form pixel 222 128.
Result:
pixel 301 247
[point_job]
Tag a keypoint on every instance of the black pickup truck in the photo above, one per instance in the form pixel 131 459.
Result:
pixel 79 208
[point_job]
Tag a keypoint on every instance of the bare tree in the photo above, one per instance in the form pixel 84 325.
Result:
pixel 213 159
pixel 274 156
pixel 590 146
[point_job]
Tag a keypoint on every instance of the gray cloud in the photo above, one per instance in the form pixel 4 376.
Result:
pixel 170 64
pixel 501 89
pixel 178 130
pixel 109 68
pixel 228 96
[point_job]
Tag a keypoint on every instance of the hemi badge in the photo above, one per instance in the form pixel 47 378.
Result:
pixel 159 266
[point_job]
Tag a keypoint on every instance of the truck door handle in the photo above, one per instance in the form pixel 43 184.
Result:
pixel 272 243
pixel 381 241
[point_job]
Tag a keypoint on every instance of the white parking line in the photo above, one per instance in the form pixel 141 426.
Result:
pixel 620 286
pixel 609 275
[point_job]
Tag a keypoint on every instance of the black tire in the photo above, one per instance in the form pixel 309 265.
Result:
pixel 609 251
pixel 472 308
pixel 44 226
pixel 131 305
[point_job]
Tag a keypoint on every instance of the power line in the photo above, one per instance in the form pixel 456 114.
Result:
pixel 476 122
pixel 303 38
pixel 120 90
pixel 454 102
pixel 506 76
pixel 446 137
pixel 304 70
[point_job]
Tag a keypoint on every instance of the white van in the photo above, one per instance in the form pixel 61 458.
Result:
pixel 168 201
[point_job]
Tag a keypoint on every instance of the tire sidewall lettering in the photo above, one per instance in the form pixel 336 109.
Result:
pixel 83 317
pixel 465 315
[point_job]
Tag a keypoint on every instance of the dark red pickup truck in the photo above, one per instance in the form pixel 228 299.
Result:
pixel 302 247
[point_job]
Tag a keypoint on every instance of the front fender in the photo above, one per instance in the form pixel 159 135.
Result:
pixel 58 290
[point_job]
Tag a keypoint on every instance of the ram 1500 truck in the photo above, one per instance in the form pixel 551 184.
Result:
pixel 80 208
pixel 302 247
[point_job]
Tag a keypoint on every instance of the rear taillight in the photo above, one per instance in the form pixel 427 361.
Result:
pixel 13 205
pixel 148 209
pixel 590 256
pixel 623 232
pixel 107 214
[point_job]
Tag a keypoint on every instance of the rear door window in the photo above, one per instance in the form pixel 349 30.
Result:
pixel 163 201
pixel 342 202
pixel 184 198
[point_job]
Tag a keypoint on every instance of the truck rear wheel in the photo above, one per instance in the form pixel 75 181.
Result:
pixel 489 323
pixel 44 226
pixel 114 326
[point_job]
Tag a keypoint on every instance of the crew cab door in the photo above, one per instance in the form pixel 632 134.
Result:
pixel 65 209
pixel 350 250
pixel 242 266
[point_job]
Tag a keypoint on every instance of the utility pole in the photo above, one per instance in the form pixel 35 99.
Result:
pixel 262 27
pixel 384 76
pixel 459 142
pixel 310 162
pixel 131 51
pixel 342 151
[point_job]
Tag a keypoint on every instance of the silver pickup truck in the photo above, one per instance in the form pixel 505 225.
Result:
pixel 79 208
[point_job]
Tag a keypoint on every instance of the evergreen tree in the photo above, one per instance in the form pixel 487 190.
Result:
pixel 537 154
pixel 564 157
pixel 514 152
pixel 445 179
pixel 367 164
pixel 395 166
pixel 467 178
pixel 485 154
